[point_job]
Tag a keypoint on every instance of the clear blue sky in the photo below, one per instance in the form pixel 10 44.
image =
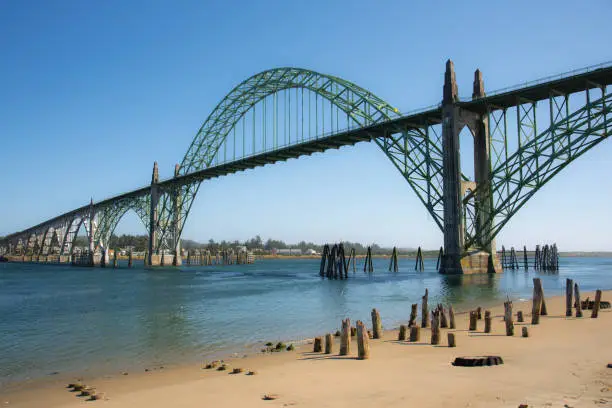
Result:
pixel 91 93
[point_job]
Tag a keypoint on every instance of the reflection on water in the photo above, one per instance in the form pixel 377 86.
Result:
pixel 58 318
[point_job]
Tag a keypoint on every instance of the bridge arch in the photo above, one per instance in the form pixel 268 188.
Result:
pixel 359 108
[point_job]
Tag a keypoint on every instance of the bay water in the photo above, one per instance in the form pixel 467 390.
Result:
pixel 71 320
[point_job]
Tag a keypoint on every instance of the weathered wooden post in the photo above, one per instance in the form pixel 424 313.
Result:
pixel 425 310
pixel 537 283
pixel 595 311
pixel 130 259
pixel 508 318
pixel 413 315
pixel 435 327
pixel 487 319
pixel 345 337
pixel 415 333
pixel 402 332
pixel 451 340
pixel 363 345
pixel 479 311
pixel 443 321
pixel 519 316
pixel 525 332
pixel 376 325
pixel 329 344
pixel 473 320
pixel 318 347
pixel 569 289
pixel 536 306
pixel 578 303
pixel 451 315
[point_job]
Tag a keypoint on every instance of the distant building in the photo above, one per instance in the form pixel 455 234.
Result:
pixel 290 251
pixel 311 252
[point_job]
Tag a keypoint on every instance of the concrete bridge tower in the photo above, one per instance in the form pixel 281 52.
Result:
pixel 457 258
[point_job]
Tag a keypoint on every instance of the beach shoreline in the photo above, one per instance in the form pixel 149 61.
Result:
pixel 299 376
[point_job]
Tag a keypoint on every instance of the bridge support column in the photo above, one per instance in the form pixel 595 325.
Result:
pixel 451 173
pixel 153 259
pixel 457 258
pixel 482 172
pixel 92 244
pixel 176 221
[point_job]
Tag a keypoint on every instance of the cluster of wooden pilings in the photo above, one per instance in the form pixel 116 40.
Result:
pixel 206 257
pixel 546 259
pixel 442 317
pixel 367 265
pixel 393 264
pixel 334 264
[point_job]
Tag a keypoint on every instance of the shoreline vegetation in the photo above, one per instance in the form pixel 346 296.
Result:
pixel 561 363
pixel 264 249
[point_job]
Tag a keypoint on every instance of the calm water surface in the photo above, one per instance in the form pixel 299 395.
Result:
pixel 73 320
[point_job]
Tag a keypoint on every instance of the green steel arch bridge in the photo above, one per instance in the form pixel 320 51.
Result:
pixel 523 136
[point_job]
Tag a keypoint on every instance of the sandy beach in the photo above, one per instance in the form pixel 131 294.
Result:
pixel 561 364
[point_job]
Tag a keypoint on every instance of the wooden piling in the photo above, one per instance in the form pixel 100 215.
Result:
pixel 415 333
pixel 595 311
pixel 443 321
pixel 569 289
pixel 425 310
pixel 376 325
pixel 519 316
pixel 318 347
pixel 451 315
pixel 525 331
pixel 525 261
pixel 578 304
pixel 402 332
pixel 479 312
pixel 393 263
pixel 537 303
pixel 115 259
pixel 440 255
pixel 473 320
pixel 130 260
pixel 419 261
pixel 329 343
pixel 538 282
pixel 451 340
pixel 435 327
pixel 363 344
pixel 487 319
pixel 345 337
pixel 413 314
pixel 508 318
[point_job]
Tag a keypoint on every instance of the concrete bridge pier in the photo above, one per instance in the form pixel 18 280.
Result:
pixel 457 258
pixel 153 259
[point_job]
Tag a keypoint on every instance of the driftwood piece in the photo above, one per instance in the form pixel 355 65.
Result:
pixel 451 340
pixel 487 319
pixel 363 345
pixel 425 310
pixel 435 327
pixel 508 318
pixel 473 320
pixel 569 290
pixel 415 333
pixel 402 332
pixel 318 346
pixel 345 337
pixel 413 314
pixel 376 325
pixel 329 344
pixel 595 311
pixel 451 316
pixel 478 361
pixel 578 303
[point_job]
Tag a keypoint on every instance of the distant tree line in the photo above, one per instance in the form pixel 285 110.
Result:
pixel 257 244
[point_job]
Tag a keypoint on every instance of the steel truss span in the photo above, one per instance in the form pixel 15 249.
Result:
pixel 533 132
